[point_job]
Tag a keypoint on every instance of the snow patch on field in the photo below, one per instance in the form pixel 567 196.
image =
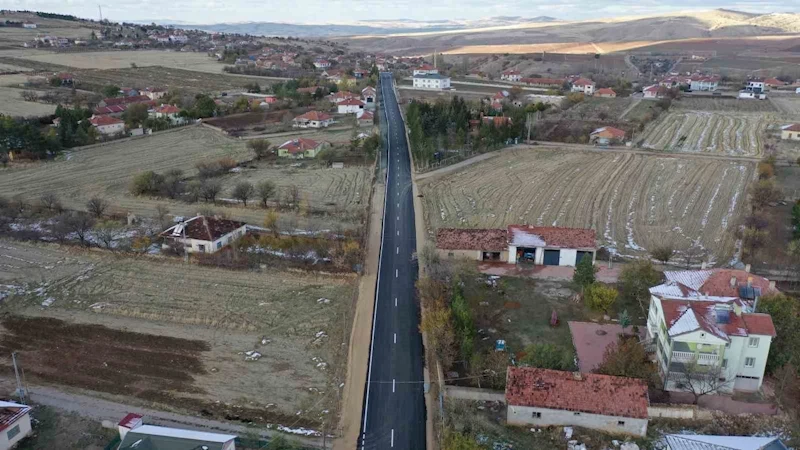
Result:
pixel 704 221
pixel 629 224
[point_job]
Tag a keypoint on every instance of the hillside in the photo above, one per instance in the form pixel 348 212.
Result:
pixel 615 32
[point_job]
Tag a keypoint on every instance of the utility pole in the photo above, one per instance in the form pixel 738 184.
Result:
pixel 185 251
pixel 100 9
pixel 20 389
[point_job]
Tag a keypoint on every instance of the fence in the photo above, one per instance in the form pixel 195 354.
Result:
pixel 678 412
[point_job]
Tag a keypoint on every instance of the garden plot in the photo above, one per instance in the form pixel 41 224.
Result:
pixel 108 310
pixel 634 201
pixel 708 132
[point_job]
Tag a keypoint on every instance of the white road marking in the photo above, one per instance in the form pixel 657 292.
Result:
pixel 398 205
pixel 398 217
pixel 395 338
pixel 395 301
pixel 392 385
pixel 398 232
pixel 392 437
pixel 398 250
pixel 396 273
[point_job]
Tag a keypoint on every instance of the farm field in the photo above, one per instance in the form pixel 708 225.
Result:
pixel 194 61
pixel 178 341
pixel 598 109
pixel 787 105
pixel 722 104
pixel 107 171
pixel 11 102
pixel 634 201
pixel 703 131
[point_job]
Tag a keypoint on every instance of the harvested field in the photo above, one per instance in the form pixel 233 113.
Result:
pixel 787 105
pixel 598 109
pixel 178 340
pixel 193 61
pixel 12 104
pixel 722 104
pixel 634 201
pixel 703 131
pixel 107 171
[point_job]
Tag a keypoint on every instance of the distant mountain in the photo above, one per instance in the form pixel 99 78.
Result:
pixel 365 27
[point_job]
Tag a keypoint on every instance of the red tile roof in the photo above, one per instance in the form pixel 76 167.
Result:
pixel 351 102
pixel 299 145
pixel 543 81
pixel 792 127
pixel 314 116
pixel 493 240
pixel 528 235
pixel 425 67
pixel 168 109
pixel 497 120
pixel 130 420
pixel 126 100
pixel 605 91
pixel 366 115
pixel 114 109
pixel 611 131
pixel 104 120
pixel 10 413
pixel 65 76
pixel 589 393
pixel 719 283
pixel 774 82
pixel 204 228
pixel 582 82
pixel 759 323
pixel 703 316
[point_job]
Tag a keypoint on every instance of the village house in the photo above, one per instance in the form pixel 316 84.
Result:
pixel 322 64
pixel 551 83
pixel 368 95
pixel 791 132
pixel 425 69
pixel 178 38
pixel 350 106
pixel 366 119
pixel 700 82
pixel 605 92
pixel 549 246
pixel 607 135
pixel 300 148
pixel 134 435
pixel 511 75
pixel 203 234
pixel 154 93
pixel 712 442
pixel 107 125
pixel 584 85
pixel 543 398
pixel 431 81
pixel 67 79
pixel 772 83
pixel 706 317
pixel 15 424
pixel 170 112
pixel 127 100
pixel 341 96
pixel 654 92
pixel 313 119
pixel 29 25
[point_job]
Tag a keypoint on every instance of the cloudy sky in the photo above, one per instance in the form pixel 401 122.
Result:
pixel 349 11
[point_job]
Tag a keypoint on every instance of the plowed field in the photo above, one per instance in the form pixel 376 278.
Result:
pixel 634 201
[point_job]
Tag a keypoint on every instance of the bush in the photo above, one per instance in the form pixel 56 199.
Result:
pixel 584 272
pixel 210 169
pixel 147 183
pixel 261 147
pixel 548 356
pixel 600 297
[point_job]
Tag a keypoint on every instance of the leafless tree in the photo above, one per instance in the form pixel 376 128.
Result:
pixel 106 232
pixel 209 190
pixel 97 206
pixel 50 201
pixel 243 191
pixel 265 191
pixel 700 380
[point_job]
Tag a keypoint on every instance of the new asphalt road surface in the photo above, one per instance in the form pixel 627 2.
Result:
pixel 394 405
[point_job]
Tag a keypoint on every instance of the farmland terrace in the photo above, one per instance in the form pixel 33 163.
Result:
pixel 151 330
pixel 634 200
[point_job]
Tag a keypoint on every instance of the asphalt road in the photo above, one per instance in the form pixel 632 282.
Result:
pixel 394 404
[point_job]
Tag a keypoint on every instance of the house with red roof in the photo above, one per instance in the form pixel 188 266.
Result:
pixel 708 318
pixel 544 398
pixel 107 125
pixel 366 118
pixel 701 82
pixel 15 423
pixel 425 69
pixel 791 132
pixel 607 135
pixel 313 119
pixel 166 112
pixel 654 91
pixel 203 234
pixel 350 106
pixel 605 93
pixel 554 83
pixel 341 96
pixel 300 148
pixel 549 246
pixel 511 75
pixel 773 83
pixel 584 85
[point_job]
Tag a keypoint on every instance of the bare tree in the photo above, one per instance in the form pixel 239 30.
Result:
pixel 50 201
pixel 30 96
pixel 692 253
pixel 265 191
pixel 243 191
pixel 260 147
pixel 700 380
pixel 209 190
pixel 292 196
pixel 161 215
pixel 77 222
pixel 106 232
pixel 97 206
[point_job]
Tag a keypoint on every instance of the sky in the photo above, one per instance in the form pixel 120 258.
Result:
pixel 350 11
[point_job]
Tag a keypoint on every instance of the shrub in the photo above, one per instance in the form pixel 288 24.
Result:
pixel 548 356
pixel 210 169
pixel 147 183
pixel 600 297
pixel 261 147
pixel 584 272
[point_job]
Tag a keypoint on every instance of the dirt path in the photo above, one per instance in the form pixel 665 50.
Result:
pixel 358 356
pixel 99 409
pixel 456 166
pixel 630 107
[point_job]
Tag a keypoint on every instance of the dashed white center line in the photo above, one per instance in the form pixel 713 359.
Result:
pixel 396 273
pixel 398 232
pixel 395 301
pixel 392 385
pixel 398 250
pixel 392 437
pixel 398 205
pixel 395 338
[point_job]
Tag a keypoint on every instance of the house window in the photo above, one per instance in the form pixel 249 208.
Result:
pixel 621 423
pixel 750 362
pixel 536 415
pixel 753 342
pixel 725 363
pixel 12 433
pixel 201 248
pixel 219 245
pixel 576 414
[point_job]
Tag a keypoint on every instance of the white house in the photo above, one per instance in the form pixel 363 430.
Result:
pixel 322 64
pixel 15 423
pixel 179 38
pixel 368 95
pixel 166 112
pixel 135 435
pixel 431 81
pixel 711 442
pixel 511 75
pixel 705 317
pixel 655 91
pixel 752 94
pixel 756 85
pixel 29 25
pixel 425 69
pixel 544 398
pixel 313 119
pixel 203 234
pixel 350 106
pixel 791 132
pixel 584 85
pixel 107 125
pixel 704 82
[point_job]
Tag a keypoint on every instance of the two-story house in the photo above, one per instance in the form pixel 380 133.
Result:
pixel 704 82
pixel 425 69
pixel 584 85
pixel 706 317
pixel 511 75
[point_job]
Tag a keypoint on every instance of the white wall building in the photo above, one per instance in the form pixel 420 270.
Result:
pixel 431 81
pixel 544 397
pixel 550 246
pixel 584 85
pixel 425 69
pixel 704 82
pixel 135 435
pixel 203 234
pixel 107 125
pixel 15 423
pixel 511 75
pixel 350 106
pixel 704 317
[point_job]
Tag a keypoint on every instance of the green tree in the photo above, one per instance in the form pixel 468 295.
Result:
pixel 260 147
pixel 454 440
pixel 110 90
pixel 635 281
pixel 147 183
pixel 135 115
pixel 785 313
pixel 548 356
pixel 204 106
pixel 243 191
pixel 600 297
pixel 628 358
pixel 584 272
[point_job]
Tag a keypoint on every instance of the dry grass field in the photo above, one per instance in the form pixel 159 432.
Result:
pixel 634 201
pixel 787 105
pixel 11 102
pixel 191 325
pixel 195 61
pixel 722 104
pixel 704 131
pixel 598 109
pixel 107 171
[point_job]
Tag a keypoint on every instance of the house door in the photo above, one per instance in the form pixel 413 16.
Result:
pixel 552 257
pixel 580 256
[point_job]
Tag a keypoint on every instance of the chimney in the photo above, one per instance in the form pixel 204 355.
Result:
pixel 733 281
pixel 749 281
pixel 737 309
pixel 747 268
pixel 772 285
